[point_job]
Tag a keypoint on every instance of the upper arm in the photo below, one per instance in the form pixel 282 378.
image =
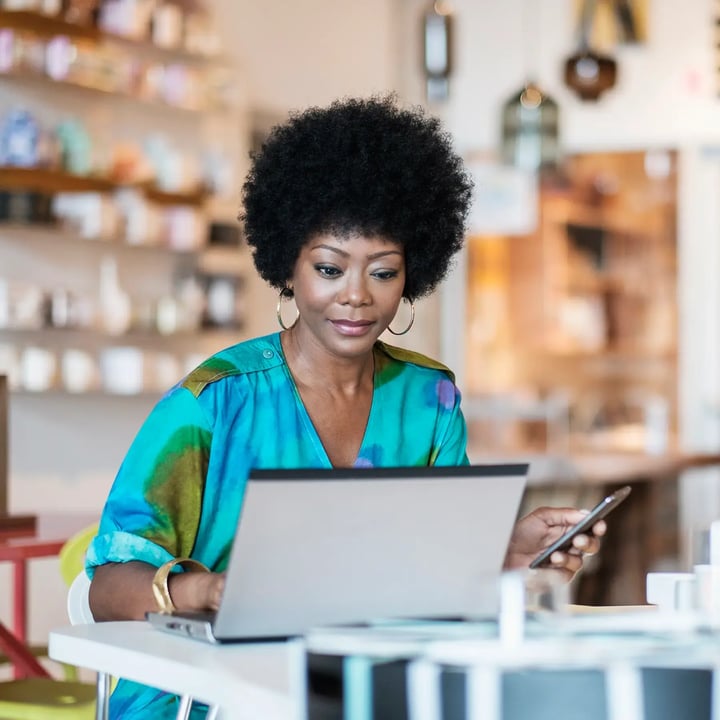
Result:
pixel 153 509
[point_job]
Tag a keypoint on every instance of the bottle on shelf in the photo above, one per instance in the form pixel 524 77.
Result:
pixel 115 308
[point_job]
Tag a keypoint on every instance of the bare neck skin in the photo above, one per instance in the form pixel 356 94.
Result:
pixel 315 368
pixel 337 394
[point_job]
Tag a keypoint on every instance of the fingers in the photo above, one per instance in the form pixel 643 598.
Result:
pixel 567 517
pixel 560 516
pixel 216 591
pixel 568 562
pixel 585 544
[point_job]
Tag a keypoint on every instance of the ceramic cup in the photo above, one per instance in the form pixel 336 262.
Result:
pixel 78 371
pixel 37 369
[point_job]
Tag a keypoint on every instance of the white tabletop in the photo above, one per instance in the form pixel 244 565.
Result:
pixel 247 680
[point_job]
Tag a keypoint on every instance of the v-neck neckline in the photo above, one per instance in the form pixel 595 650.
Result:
pixel 307 420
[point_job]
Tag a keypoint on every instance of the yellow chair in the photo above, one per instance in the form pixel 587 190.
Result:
pixel 47 698
pixel 72 553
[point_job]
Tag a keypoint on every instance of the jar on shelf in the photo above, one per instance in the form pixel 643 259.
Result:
pixel 166 25
pixel 80 12
pixel 223 301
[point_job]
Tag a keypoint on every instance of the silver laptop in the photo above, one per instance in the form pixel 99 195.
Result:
pixel 344 546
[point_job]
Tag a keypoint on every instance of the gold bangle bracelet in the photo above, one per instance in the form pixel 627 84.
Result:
pixel 160 588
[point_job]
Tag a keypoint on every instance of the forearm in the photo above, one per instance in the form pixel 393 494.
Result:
pixel 123 591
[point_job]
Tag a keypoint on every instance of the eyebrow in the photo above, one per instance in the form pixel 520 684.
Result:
pixel 374 256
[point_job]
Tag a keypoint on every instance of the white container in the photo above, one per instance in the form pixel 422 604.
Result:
pixel 122 370
pixel 78 371
pixel 38 367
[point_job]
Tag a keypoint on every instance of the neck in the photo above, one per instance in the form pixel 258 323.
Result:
pixel 313 366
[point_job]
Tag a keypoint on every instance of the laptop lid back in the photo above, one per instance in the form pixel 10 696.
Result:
pixel 316 547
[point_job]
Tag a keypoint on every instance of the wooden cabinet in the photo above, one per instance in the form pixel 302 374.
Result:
pixel 583 310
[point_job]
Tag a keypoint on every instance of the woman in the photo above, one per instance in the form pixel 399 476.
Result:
pixel 353 211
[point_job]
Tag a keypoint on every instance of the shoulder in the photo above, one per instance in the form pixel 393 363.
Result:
pixel 414 359
pixel 245 358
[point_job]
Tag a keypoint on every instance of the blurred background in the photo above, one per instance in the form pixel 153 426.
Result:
pixel 582 319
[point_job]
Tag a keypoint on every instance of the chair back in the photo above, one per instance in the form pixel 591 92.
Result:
pixel 72 553
pixel 72 569
pixel 78 601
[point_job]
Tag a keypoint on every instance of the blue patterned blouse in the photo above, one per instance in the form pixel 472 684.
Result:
pixel 179 490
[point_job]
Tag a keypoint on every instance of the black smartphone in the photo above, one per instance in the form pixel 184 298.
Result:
pixel 597 513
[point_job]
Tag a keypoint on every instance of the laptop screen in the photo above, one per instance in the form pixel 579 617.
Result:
pixel 316 547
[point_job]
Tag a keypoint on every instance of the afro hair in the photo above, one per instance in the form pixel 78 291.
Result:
pixel 360 166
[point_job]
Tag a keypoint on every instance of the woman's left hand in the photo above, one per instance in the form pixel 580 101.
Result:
pixel 542 527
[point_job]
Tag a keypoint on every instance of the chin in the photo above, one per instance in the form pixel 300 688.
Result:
pixel 351 346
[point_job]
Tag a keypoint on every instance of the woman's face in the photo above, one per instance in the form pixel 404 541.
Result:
pixel 347 290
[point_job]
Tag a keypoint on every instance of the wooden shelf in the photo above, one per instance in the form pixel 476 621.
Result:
pixel 51 181
pixel 54 233
pixel 25 76
pixel 600 283
pixel 46 25
pixel 49 26
pixel 624 354
pixel 143 338
pixel 162 197
pixel 56 181
pixel 168 54
pixel 225 260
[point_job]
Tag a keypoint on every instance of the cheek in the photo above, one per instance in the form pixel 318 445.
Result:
pixel 394 300
pixel 313 297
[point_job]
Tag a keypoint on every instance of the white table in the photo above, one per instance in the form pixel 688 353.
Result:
pixel 247 680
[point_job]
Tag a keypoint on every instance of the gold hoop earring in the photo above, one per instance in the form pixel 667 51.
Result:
pixel 412 319
pixel 286 292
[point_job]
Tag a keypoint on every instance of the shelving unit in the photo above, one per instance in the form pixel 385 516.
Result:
pixel 584 309
pixel 55 257
pixel 114 84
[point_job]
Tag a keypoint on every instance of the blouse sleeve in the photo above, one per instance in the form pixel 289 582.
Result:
pixel 451 445
pixel 153 509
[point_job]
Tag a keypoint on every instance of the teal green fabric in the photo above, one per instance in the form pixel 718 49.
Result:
pixel 180 488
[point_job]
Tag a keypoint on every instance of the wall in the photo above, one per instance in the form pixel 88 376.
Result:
pixel 292 54
pixel 665 92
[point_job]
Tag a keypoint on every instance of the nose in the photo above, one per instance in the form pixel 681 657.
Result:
pixel 356 292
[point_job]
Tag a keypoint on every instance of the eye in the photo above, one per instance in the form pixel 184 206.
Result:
pixel 328 271
pixel 385 274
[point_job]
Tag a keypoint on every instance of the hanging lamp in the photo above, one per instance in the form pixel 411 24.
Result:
pixel 437 50
pixel 530 122
pixel 530 118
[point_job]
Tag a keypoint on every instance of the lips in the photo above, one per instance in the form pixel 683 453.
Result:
pixel 352 323
pixel 352 327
